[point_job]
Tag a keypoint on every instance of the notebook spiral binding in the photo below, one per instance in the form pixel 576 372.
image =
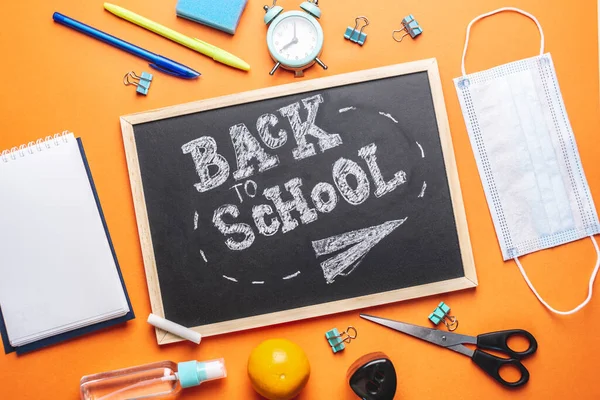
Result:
pixel 31 147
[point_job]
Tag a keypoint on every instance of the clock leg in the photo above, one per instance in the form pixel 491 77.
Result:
pixel 321 63
pixel 275 68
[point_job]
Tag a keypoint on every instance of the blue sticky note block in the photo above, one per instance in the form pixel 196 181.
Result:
pixel 219 14
pixel 355 36
pixel 335 341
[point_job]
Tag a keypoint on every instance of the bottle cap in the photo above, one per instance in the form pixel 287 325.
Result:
pixel 193 373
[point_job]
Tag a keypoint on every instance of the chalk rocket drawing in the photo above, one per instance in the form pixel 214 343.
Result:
pixel 363 240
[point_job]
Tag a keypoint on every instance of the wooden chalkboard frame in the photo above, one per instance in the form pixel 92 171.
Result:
pixel 469 280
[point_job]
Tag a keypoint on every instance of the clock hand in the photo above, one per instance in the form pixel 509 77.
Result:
pixel 294 41
pixel 287 45
pixel 295 37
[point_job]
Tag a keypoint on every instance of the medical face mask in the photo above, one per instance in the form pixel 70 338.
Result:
pixel 527 157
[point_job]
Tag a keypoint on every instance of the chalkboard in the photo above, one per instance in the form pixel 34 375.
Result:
pixel 298 201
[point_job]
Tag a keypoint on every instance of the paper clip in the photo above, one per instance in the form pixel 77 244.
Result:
pixel 440 314
pixel 141 82
pixel 336 339
pixel 410 26
pixel 354 35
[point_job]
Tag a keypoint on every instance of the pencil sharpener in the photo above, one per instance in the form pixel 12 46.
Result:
pixel 373 377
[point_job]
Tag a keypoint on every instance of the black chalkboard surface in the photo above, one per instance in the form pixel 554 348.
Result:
pixel 300 200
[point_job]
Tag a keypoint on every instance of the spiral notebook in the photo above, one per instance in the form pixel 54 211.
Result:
pixel 59 276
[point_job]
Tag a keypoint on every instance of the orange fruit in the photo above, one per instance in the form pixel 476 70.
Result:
pixel 278 369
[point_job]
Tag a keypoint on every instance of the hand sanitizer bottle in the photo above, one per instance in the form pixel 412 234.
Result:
pixel 160 380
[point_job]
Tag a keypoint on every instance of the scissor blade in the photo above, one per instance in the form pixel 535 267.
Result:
pixel 444 339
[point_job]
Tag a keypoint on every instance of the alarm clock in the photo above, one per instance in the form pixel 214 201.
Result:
pixel 295 38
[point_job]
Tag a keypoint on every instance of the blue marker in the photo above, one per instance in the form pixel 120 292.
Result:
pixel 158 62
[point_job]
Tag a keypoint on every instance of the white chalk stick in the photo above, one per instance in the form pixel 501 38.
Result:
pixel 175 329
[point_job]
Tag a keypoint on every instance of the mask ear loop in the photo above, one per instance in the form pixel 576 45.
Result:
pixel 590 286
pixel 496 12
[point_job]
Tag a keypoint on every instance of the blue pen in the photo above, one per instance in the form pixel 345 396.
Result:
pixel 158 62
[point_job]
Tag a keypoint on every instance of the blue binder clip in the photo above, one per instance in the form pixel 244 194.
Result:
pixel 355 35
pixel 141 82
pixel 440 314
pixel 410 26
pixel 336 339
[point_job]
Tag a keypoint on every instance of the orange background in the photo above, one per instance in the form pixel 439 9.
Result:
pixel 53 78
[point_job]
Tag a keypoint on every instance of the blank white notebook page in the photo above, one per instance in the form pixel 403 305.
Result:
pixel 57 271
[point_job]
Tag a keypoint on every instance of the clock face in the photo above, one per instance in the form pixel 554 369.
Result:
pixel 295 38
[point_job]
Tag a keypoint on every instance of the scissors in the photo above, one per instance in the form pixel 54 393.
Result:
pixel 497 341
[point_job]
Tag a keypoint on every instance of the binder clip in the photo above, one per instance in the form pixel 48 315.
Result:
pixel 141 82
pixel 336 339
pixel 440 314
pixel 354 35
pixel 410 26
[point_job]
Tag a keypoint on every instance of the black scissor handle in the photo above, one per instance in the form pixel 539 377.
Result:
pixel 499 341
pixel 492 364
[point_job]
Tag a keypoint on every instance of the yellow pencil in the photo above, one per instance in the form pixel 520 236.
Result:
pixel 198 45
